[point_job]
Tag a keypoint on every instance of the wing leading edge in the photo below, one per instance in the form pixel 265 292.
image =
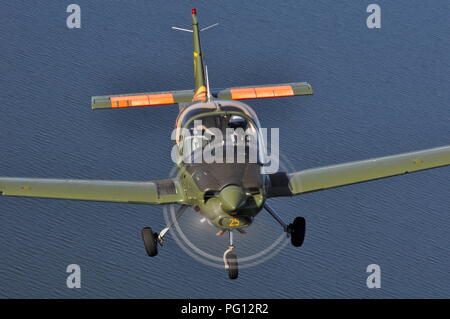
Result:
pixel 320 178
pixel 154 192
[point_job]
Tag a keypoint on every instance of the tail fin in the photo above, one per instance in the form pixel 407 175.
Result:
pixel 200 91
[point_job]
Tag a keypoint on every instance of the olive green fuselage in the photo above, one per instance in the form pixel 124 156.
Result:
pixel 211 207
pixel 228 195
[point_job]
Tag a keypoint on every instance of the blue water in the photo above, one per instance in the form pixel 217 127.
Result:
pixel 378 92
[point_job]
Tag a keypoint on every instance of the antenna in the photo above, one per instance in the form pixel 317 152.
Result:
pixel 207 84
pixel 209 27
pixel 181 29
pixel 188 30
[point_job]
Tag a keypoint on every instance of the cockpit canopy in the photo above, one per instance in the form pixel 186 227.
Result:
pixel 219 125
pixel 218 114
pixel 219 145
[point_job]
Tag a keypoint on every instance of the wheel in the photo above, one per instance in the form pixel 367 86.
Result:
pixel 297 229
pixel 232 266
pixel 150 243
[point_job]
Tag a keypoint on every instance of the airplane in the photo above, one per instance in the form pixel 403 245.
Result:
pixel 228 195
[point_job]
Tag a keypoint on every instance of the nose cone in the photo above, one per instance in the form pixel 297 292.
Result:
pixel 231 198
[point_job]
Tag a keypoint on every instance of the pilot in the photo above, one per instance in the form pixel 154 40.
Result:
pixel 237 121
pixel 239 125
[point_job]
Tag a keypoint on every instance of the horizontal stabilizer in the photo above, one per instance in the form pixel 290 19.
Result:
pixel 186 96
pixel 141 99
pixel 264 91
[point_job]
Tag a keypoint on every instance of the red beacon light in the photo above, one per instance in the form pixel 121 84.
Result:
pixel 194 11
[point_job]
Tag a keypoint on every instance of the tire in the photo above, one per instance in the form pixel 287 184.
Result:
pixel 232 266
pixel 150 244
pixel 298 229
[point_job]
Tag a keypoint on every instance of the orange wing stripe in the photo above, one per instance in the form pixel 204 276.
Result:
pixel 142 100
pixel 166 98
pixel 244 93
pixel 283 91
pixel 261 92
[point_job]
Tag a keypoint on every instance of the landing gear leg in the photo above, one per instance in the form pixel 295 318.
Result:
pixel 296 230
pixel 276 217
pixel 230 259
pixel 164 231
pixel 152 239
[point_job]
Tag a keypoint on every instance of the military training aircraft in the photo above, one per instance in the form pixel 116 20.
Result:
pixel 228 195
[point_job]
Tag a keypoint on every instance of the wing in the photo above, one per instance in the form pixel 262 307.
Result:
pixel 315 179
pixel 156 192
